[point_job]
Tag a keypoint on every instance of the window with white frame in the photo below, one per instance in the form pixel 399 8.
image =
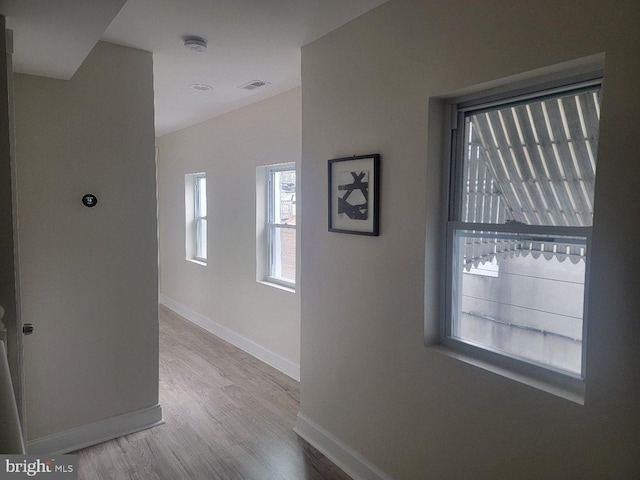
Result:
pixel 196 217
pixel 279 227
pixel 522 178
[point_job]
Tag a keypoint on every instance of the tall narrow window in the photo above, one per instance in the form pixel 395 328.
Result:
pixel 281 224
pixel 200 217
pixel 196 217
pixel 519 229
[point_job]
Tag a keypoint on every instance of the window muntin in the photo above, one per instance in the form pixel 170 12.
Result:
pixel 519 227
pixel 281 224
pixel 200 216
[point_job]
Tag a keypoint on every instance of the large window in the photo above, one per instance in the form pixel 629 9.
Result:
pixel 519 227
pixel 196 217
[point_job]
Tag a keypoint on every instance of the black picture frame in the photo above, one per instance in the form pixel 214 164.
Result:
pixel 354 195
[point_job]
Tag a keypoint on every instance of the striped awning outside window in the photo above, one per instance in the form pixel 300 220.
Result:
pixel 532 163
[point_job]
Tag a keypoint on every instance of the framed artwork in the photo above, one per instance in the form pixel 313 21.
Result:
pixel 354 198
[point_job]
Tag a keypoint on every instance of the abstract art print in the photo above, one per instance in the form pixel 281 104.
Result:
pixel 353 194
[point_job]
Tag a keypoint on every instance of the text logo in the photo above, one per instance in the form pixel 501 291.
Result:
pixel 59 467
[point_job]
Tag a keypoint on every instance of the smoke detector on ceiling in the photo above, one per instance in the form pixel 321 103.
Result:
pixel 195 44
pixel 253 84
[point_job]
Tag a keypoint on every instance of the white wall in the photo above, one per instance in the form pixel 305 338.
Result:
pixel 8 299
pixel 88 275
pixel 9 277
pixel 367 378
pixel 229 148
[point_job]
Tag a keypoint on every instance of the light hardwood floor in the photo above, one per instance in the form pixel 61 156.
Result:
pixel 228 417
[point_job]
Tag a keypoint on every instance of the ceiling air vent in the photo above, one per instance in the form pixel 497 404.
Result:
pixel 252 85
pixel 201 87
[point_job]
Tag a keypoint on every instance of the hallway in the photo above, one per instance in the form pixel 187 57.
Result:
pixel 228 416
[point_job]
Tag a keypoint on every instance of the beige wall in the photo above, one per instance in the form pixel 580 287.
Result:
pixel 367 377
pixel 229 148
pixel 88 275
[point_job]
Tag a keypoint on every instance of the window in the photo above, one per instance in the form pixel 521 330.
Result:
pixel 276 224
pixel 196 217
pixel 200 217
pixel 281 224
pixel 519 227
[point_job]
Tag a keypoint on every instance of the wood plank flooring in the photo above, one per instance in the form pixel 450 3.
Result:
pixel 228 417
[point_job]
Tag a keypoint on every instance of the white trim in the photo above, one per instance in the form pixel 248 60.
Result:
pixel 560 386
pixel 273 284
pixel 351 462
pixel 261 353
pixel 197 262
pixel 97 432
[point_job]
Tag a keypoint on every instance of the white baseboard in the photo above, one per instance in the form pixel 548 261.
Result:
pixel 267 356
pixel 97 432
pixel 351 462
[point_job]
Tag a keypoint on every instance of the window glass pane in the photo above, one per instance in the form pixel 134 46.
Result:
pixel 283 197
pixel 201 238
pixel 521 294
pixel 201 200
pixel 283 253
pixel 532 162
pixel 281 214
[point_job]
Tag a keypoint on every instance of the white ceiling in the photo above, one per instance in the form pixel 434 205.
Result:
pixel 53 37
pixel 248 40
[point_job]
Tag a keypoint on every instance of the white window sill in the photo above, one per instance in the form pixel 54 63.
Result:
pixel 569 390
pixel 277 285
pixel 197 262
